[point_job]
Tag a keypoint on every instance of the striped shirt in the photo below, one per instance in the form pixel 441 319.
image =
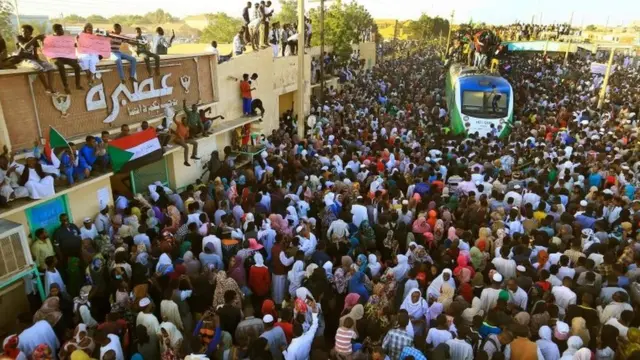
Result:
pixel 343 340
pixel 115 44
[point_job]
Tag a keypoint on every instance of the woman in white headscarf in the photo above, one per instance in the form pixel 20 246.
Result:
pixel 476 309
pixel 374 266
pixel 170 338
pixel 574 344
pixel 292 215
pixel 328 269
pixel 547 347
pixel 400 271
pixel 295 276
pixel 165 265
pixel 392 161
pixel 434 289
pixel 582 354
pixel 169 312
pixel 418 309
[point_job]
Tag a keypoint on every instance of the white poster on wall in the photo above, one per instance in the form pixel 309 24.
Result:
pixel 103 197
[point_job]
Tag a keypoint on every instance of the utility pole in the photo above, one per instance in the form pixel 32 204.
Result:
pixel 301 66
pixel 446 48
pixel 321 55
pixel 606 25
pixel 395 39
pixel 605 83
pixel 566 54
pixel 15 5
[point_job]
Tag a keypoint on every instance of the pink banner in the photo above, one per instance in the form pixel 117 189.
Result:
pixel 59 47
pixel 94 44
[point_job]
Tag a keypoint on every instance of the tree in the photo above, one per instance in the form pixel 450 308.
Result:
pixel 222 28
pixel 591 28
pixel 288 13
pixel 427 27
pixel 74 19
pixel 97 19
pixel 6 27
pixel 159 17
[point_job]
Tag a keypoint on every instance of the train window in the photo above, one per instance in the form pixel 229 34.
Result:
pixel 484 104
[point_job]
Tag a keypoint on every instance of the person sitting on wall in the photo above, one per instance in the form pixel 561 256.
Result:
pixel 238 45
pixel 9 175
pixel 213 49
pixel 180 131
pixel 38 183
pixel 61 62
pixel 256 104
pixel 89 150
pixel 196 127
pixel 89 62
pixel 142 48
pixel 101 150
pixel 124 131
pixel 74 165
pixel 116 42
pixel 207 121
pixel 27 52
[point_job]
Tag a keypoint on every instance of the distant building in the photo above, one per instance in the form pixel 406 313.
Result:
pixel 197 21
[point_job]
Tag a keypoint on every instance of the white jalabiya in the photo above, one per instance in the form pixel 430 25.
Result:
pixel 295 276
pixel 374 265
pixel 401 270
pixel 149 321
pixel 436 284
pixel 9 184
pixel 39 333
pixel 39 188
pixel 417 310
pixel 170 312
pixel 489 299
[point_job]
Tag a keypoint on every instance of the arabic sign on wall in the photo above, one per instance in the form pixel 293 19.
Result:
pixel 107 104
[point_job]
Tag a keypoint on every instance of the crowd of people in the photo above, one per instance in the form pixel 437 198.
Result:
pixel 525 32
pixel 376 235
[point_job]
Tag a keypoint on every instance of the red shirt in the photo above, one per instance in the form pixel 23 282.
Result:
pixel 288 330
pixel 259 280
pixel 245 89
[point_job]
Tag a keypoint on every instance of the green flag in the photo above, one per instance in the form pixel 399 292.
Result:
pixel 118 157
pixel 56 139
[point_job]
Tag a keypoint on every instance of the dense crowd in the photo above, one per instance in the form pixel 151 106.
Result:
pixel 377 235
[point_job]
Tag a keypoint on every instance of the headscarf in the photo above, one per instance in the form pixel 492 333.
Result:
pixel 356 285
pixel 237 271
pixel 463 272
pixel 446 296
pixel 363 262
pixel 522 318
pixel 477 258
pixel 582 354
pixel 434 289
pixel 310 269
pixel 417 310
pixel 85 344
pixel 579 328
pixel 401 270
pixel 42 352
pixel 269 307
pixel 10 346
pixel 573 345
pixel 350 301
pixel 164 265
pixel 374 265
pixel 633 345
pixel 420 226
pixel 469 313
pixel 545 333
pixel 328 269
pixel 174 334
pixel 81 355
pixel 259 260
pixel 184 247
pixel 543 257
pixel 466 291
pixel 224 284
pixel 49 311
pixel 356 313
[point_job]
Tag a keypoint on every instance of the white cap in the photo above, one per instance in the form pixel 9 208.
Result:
pixel 521 268
pixel 299 229
pixel 608 192
pixel 264 154
pixel 324 168
pixel 144 302
pixel 497 277
pixel 405 202
pixel 583 203
pixel 516 187
pixel 103 206
pixel 87 220
pixel 267 319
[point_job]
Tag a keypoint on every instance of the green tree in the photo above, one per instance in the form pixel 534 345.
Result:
pixel 97 19
pixel 74 19
pixel 121 19
pixel 288 13
pixel 6 28
pixel 427 27
pixel 159 17
pixel 221 28
pixel 591 28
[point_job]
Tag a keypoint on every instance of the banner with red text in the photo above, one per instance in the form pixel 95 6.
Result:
pixel 94 44
pixel 55 47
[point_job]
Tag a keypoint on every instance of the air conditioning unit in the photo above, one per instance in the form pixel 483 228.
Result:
pixel 15 256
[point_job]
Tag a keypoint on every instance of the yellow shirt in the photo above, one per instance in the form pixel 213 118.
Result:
pixel 41 250
pixel 539 215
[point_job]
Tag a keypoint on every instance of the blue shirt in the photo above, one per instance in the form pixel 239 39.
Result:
pixel 206 259
pixel 487 329
pixel 586 222
pixel 595 180
pixel 89 153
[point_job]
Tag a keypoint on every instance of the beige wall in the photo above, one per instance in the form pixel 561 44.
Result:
pixel 83 202
pixel 368 53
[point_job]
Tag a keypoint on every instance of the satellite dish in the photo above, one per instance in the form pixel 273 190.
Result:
pixel 311 121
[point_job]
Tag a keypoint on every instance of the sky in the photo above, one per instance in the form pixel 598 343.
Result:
pixel 585 12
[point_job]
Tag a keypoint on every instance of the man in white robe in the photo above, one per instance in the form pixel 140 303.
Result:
pixel 9 175
pixel 38 183
pixel 489 296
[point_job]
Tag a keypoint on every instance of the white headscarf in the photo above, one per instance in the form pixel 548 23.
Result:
pixel 476 309
pixel 582 354
pixel 436 284
pixel 418 309
pixel 170 313
pixel 174 334
pixel 329 199
pixel 374 265
pixel 328 268
pixel 259 260
pixel 163 263
pixel 574 344
pixel 545 333
pixel 400 270
pixel 302 293
pixel 296 274
pixel 292 215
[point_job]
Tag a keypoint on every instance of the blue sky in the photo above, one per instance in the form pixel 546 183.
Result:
pixel 490 11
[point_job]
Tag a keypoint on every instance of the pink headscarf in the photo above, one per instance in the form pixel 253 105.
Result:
pixel 451 233
pixel 350 301
pixel 420 226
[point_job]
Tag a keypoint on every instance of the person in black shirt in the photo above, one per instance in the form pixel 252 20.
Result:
pixel 61 62
pixel 67 238
pixel 142 48
pixel 230 316
pixel 27 49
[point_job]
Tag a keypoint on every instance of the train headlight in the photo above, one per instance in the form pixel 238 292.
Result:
pixel 465 118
